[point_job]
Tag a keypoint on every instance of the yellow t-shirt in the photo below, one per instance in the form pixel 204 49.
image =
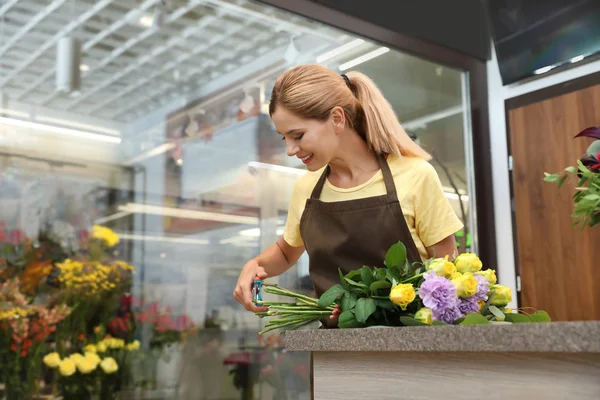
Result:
pixel 428 213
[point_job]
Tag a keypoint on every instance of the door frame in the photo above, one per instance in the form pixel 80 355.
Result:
pixel 478 91
pixel 525 99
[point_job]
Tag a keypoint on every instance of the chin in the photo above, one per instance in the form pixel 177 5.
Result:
pixel 314 166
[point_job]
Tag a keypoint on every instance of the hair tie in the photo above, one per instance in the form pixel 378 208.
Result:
pixel 347 81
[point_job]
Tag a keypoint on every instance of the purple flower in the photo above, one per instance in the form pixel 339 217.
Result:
pixel 437 292
pixel 483 288
pixel 448 315
pixel 468 306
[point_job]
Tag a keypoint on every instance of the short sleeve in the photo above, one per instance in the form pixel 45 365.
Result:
pixel 291 232
pixel 435 218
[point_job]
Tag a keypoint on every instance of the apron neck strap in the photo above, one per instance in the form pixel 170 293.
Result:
pixel 388 179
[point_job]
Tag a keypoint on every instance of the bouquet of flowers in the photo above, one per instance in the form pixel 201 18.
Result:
pixel 436 292
pixel 24 330
pixel 587 191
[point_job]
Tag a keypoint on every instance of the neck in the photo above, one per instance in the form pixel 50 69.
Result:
pixel 353 161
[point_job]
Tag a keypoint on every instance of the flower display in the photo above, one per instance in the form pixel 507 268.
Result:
pixel 587 181
pixel 434 292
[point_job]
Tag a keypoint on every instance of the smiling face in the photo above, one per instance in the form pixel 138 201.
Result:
pixel 313 141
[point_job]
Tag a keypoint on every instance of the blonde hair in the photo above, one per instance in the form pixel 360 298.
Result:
pixel 312 91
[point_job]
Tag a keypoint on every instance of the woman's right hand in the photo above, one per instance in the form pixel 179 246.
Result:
pixel 243 289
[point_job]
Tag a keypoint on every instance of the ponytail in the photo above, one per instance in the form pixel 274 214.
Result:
pixel 379 122
pixel 311 91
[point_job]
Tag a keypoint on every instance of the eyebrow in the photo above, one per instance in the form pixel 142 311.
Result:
pixel 291 131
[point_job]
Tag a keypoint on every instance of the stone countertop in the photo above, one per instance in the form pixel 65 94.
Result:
pixel 553 337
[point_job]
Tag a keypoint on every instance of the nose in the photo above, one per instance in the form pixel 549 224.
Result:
pixel 292 148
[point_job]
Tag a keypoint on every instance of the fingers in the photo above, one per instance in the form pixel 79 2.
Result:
pixel 243 291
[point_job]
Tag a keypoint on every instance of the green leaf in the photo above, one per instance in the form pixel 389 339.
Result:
pixel 364 308
pixel 561 181
pixel 497 313
pixel 359 285
pixel 551 177
pixel 408 321
pixel 366 274
pixel 330 295
pixel 475 319
pixel 353 274
pixel 348 320
pixel 571 169
pixel 349 300
pixel 386 304
pixel 380 273
pixel 392 275
pixel 486 306
pixel 591 197
pixel 436 322
pixel 540 316
pixel 517 318
pixel 396 256
pixel 380 285
pixel 344 284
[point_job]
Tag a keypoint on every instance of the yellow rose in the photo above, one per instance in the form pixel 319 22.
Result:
pixel 76 357
pixel 133 345
pixel 101 347
pixel 90 348
pixel 92 357
pixel 502 295
pixel 466 285
pixel 105 234
pixel 489 275
pixel 424 315
pixel 109 365
pixel 66 367
pixel 402 295
pixel 442 267
pixel 456 275
pixel 114 343
pixel 468 262
pixel 86 365
pixel 52 360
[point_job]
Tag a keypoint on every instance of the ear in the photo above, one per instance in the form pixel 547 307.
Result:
pixel 338 118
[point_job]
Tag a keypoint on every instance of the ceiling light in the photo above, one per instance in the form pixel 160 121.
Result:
pixel 577 59
pixel 543 70
pixel 339 50
pixel 84 67
pixel 365 57
pixel 185 213
pixel 57 129
pixel 146 21
pixel 255 232
pixel 167 239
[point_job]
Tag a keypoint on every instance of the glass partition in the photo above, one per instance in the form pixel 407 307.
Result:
pixel 136 196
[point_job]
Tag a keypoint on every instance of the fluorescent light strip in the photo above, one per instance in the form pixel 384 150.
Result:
pixel 98 129
pixel 543 70
pixel 279 168
pixel 365 57
pixel 13 112
pixel 162 239
pixel 190 214
pixel 118 215
pixel 339 50
pixel 60 130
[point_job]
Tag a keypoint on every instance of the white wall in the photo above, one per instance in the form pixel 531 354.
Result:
pixel 497 94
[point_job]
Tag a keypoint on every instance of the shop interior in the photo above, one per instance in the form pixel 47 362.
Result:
pixel 163 135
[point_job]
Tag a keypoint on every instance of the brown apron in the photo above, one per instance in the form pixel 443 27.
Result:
pixel 350 234
pixel 353 233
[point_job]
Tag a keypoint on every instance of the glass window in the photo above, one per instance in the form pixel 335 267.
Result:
pixel 165 141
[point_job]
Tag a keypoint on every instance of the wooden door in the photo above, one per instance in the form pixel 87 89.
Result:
pixel 559 264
